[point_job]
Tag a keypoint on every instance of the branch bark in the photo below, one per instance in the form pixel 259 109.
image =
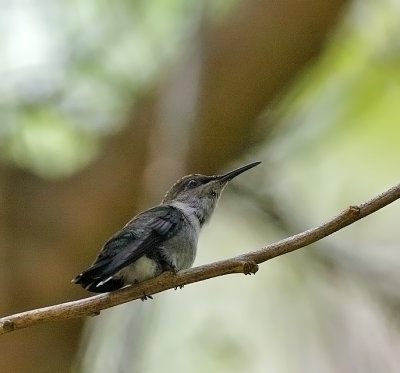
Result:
pixel 245 263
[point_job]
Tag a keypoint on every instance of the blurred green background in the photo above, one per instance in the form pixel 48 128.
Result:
pixel 103 105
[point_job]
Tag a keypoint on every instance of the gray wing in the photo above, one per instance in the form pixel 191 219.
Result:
pixel 141 235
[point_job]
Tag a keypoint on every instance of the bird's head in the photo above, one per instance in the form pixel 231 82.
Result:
pixel 201 192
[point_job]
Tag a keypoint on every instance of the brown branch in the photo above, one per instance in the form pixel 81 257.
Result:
pixel 246 263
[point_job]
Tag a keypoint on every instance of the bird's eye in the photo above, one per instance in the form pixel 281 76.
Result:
pixel 192 184
pixel 214 194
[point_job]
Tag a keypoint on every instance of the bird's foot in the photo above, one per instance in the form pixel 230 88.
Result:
pixel 173 271
pixel 145 297
pixel 250 267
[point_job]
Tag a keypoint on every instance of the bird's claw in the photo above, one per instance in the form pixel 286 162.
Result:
pixel 145 297
pixel 179 287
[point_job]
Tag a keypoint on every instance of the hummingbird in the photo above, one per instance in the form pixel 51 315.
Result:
pixel 162 238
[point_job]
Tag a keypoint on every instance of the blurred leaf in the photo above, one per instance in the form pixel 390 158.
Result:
pixel 49 145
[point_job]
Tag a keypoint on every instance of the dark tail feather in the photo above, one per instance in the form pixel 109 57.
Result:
pixel 95 285
pixel 110 285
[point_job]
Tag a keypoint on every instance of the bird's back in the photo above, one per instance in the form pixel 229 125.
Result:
pixel 151 243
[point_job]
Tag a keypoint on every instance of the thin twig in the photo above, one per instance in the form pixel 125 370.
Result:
pixel 245 263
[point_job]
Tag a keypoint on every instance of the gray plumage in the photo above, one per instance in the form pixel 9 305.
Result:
pixel 163 238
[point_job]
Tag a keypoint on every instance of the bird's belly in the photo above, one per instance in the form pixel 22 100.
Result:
pixel 177 253
pixel 181 253
pixel 142 269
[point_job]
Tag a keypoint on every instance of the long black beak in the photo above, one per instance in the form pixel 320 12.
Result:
pixel 231 174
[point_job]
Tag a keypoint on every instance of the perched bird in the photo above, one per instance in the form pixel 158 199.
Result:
pixel 163 238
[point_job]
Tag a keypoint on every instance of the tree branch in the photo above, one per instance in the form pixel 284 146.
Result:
pixel 245 263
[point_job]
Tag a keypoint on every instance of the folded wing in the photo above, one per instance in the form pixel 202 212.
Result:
pixel 142 234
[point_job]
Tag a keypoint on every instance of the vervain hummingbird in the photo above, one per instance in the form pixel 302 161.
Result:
pixel 163 238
